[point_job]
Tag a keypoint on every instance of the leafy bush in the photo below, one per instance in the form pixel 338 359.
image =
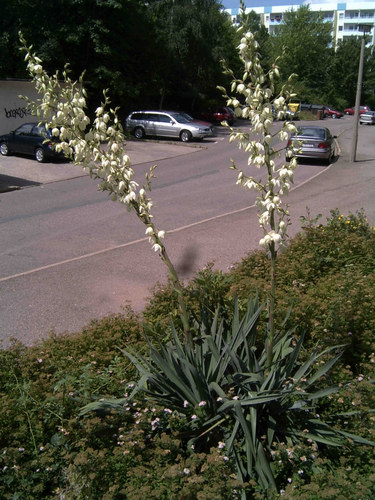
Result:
pixel 42 389
pixel 207 290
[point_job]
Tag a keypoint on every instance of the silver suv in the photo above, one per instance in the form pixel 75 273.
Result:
pixel 166 124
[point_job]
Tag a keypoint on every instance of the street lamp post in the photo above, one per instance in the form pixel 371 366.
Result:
pixel 365 28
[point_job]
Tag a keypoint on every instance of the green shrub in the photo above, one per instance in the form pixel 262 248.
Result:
pixel 325 279
pixel 43 388
pixel 208 290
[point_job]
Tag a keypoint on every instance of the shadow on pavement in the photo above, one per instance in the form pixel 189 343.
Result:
pixel 9 183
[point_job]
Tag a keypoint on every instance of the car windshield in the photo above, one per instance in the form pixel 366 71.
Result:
pixel 319 133
pixel 42 131
pixel 180 118
pixel 185 115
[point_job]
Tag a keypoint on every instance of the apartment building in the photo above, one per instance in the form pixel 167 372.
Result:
pixel 347 18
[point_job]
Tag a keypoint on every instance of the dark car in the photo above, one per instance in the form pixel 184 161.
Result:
pixel 312 141
pixel 332 113
pixel 30 139
pixel 362 109
pixel 223 114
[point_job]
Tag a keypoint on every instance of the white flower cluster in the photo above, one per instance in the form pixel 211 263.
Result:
pixel 100 148
pixel 255 91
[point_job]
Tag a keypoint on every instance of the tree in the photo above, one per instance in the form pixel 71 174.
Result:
pixel 149 54
pixel 344 74
pixel 112 41
pixel 306 39
pixel 195 36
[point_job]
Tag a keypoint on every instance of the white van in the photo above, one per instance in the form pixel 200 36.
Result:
pixel 166 124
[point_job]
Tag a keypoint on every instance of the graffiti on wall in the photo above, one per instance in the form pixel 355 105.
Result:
pixel 20 112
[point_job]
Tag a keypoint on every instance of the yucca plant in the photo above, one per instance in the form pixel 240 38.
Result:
pixel 220 384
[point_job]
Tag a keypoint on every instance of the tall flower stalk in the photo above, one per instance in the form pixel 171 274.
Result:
pixel 256 101
pixel 98 147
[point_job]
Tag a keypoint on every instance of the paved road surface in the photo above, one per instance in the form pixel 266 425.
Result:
pixel 34 303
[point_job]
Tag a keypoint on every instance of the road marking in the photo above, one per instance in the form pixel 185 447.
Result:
pixel 141 240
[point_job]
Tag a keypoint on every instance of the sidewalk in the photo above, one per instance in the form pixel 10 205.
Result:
pixel 18 172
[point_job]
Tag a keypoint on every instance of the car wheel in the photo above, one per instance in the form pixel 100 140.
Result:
pixel 39 155
pixel 4 150
pixel 139 133
pixel 334 116
pixel 185 136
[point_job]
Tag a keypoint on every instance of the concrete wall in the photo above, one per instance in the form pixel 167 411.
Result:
pixel 12 108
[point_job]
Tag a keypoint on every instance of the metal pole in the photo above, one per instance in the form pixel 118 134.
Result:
pixel 358 100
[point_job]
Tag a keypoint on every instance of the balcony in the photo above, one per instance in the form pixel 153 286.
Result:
pixel 359 19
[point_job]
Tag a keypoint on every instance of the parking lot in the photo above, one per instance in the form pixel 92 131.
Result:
pixel 17 172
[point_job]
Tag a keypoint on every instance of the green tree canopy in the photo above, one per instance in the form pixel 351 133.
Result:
pixel 306 39
pixel 344 74
pixel 140 51
pixel 195 36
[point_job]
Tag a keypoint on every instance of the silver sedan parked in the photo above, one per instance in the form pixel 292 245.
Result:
pixel 311 141
pixel 368 118
pixel 166 124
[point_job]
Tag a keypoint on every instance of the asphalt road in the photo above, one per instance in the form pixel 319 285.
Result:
pixel 70 255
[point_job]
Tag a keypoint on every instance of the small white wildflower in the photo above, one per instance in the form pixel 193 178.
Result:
pixel 186 471
pixel 186 403
pixel 194 417
pixel 221 445
pixel 202 403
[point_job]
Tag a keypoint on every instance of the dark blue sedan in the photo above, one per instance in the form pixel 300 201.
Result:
pixel 30 139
